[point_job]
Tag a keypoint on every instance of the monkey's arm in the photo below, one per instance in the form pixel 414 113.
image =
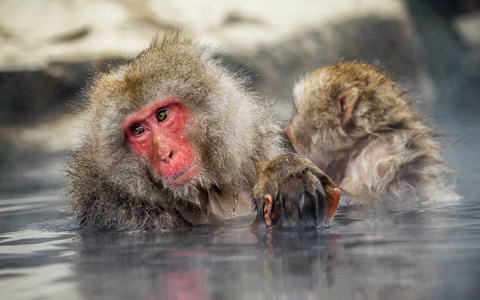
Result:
pixel 291 191
pixel 101 204
pixel 118 212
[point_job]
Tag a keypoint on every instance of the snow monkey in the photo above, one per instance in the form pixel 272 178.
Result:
pixel 356 124
pixel 171 141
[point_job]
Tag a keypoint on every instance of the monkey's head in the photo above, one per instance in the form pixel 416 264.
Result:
pixel 337 106
pixel 172 121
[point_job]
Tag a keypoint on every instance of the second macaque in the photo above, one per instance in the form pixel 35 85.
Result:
pixel 356 124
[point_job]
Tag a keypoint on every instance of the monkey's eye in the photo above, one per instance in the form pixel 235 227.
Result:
pixel 162 115
pixel 137 129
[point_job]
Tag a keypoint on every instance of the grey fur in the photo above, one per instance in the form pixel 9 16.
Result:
pixel 232 130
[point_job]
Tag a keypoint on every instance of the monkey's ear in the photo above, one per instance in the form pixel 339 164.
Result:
pixel 345 103
pixel 332 203
pixel 267 209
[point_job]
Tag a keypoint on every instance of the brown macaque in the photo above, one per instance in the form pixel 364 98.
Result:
pixel 170 141
pixel 356 124
pixel 291 191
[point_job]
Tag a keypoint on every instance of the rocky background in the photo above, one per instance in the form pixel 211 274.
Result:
pixel 50 48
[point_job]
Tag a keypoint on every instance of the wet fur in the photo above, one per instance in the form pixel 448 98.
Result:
pixel 299 190
pixel 232 130
pixel 385 150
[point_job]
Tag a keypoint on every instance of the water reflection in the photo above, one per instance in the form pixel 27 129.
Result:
pixel 207 262
pixel 369 253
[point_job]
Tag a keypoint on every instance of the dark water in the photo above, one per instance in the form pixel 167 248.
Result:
pixel 369 253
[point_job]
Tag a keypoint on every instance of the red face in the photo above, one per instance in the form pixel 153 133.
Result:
pixel 157 133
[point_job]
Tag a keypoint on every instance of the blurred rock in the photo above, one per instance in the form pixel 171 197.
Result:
pixel 34 32
pixel 32 96
pixel 389 43
pixel 51 48
pixel 468 29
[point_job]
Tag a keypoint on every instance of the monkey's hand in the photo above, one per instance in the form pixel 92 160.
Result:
pixel 292 191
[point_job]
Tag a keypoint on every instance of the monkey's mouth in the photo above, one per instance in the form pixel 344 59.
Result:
pixel 182 177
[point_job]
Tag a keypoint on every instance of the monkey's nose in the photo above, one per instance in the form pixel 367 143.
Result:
pixel 162 148
pixel 165 155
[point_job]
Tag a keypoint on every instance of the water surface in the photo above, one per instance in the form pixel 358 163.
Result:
pixel 369 253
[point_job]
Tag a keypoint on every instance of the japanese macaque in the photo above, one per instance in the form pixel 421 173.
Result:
pixel 170 141
pixel 291 191
pixel 356 124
